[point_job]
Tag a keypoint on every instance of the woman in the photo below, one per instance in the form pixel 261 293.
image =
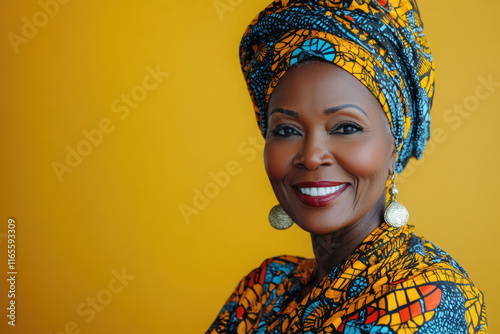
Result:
pixel 342 92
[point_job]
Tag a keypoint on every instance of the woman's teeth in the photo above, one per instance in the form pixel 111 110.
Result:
pixel 321 191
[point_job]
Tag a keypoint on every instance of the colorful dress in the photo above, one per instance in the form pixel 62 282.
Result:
pixel 394 282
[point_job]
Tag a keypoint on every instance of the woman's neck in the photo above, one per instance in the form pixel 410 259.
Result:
pixel 332 248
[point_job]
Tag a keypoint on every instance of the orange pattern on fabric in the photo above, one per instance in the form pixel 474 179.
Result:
pixel 394 280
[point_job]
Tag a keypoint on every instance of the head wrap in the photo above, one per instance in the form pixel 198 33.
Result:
pixel 381 43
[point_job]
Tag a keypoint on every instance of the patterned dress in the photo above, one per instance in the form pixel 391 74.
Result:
pixel 394 282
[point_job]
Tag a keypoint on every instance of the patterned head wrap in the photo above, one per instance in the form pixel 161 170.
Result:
pixel 381 43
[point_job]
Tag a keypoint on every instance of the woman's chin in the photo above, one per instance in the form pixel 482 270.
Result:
pixel 321 226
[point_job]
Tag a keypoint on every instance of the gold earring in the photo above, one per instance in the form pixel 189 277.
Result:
pixel 279 219
pixel 395 213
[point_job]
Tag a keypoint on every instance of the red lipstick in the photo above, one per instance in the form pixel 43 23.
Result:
pixel 320 193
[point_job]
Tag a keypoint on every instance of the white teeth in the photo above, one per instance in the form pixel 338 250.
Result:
pixel 321 191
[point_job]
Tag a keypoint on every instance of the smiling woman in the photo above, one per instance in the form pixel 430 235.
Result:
pixel 327 130
pixel 342 92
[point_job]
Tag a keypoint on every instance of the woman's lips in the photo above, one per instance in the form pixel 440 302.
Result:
pixel 319 193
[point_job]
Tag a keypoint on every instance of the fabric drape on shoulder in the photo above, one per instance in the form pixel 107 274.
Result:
pixel 395 282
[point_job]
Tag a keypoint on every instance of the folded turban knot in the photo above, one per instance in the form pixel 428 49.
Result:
pixel 381 43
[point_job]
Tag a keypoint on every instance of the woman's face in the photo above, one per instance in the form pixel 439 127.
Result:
pixel 328 149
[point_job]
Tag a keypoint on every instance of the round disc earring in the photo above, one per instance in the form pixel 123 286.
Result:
pixel 396 215
pixel 279 219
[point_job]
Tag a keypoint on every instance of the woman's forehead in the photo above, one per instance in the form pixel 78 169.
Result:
pixel 319 85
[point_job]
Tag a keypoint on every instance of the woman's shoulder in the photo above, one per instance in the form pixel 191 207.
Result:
pixel 281 261
pixel 410 283
pixel 280 273
pixel 276 269
pixel 428 281
pixel 425 257
pixel 399 255
pixel 420 262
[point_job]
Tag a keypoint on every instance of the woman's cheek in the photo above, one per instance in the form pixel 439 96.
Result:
pixel 276 158
pixel 362 159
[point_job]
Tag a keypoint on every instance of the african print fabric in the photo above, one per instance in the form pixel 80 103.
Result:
pixel 381 43
pixel 394 282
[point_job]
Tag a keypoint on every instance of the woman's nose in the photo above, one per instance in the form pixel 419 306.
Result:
pixel 314 153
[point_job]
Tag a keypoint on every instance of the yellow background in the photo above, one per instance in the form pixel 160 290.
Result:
pixel 119 208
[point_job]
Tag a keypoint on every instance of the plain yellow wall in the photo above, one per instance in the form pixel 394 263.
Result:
pixel 116 211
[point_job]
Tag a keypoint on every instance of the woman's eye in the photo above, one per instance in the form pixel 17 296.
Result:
pixel 284 131
pixel 347 128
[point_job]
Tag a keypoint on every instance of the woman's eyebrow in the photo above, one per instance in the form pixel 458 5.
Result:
pixel 285 111
pixel 344 106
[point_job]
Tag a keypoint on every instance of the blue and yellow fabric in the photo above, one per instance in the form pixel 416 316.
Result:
pixel 395 282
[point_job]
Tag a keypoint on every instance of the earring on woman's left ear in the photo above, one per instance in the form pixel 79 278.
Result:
pixel 279 219
pixel 396 215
